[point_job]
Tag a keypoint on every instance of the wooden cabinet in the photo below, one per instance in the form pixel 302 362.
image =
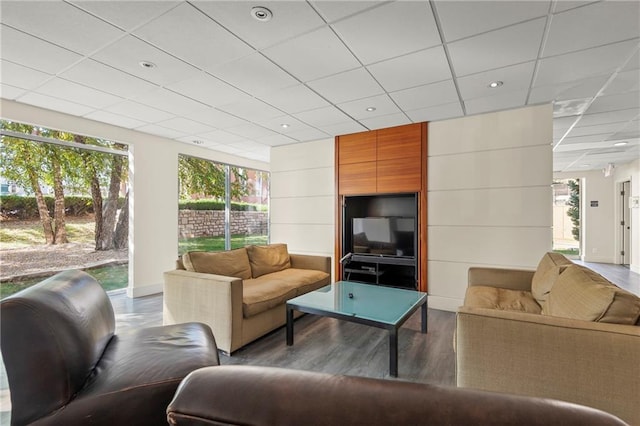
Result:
pixel 385 161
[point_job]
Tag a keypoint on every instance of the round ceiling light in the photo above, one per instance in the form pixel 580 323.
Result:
pixel 198 142
pixel 284 125
pixel 371 109
pixel 261 14
pixel 495 84
pixel 620 143
pixel 147 64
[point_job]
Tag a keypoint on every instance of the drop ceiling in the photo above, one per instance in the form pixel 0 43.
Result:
pixel 218 77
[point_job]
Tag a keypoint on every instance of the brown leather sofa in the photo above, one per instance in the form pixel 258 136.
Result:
pixel 65 365
pixel 241 395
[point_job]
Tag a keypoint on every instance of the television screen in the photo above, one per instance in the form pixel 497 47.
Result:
pixel 393 236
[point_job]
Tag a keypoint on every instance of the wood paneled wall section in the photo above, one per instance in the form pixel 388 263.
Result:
pixel 385 161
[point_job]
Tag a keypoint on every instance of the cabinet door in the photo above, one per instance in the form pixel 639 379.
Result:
pixel 357 148
pixel 399 175
pixel 357 178
pixel 400 142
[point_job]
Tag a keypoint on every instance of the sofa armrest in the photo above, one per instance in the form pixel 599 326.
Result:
pixel 215 300
pixel 511 279
pixel 589 363
pixel 306 261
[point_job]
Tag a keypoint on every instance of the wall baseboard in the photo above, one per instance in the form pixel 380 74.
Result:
pixel 599 259
pixel 445 303
pixel 145 290
pixel 635 268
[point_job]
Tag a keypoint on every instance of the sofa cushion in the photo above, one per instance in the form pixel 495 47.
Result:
pixel 581 293
pixel 231 263
pixel 500 298
pixel 549 269
pixel 268 291
pixel 268 259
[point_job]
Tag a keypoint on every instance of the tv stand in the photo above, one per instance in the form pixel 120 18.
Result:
pixel 393 271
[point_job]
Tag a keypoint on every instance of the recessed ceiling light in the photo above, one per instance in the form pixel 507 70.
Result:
pixel 370 109
pixel 585 165
pixel 147 64
pixel 495 84
pixel 261 14
pixel 198 142
pixel 620 143
pixel 284 125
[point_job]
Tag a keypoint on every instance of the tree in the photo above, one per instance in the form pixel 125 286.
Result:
pixel 207 179
pixel 574 207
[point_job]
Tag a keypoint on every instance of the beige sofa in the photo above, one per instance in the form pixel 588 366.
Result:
pixel 561 331
pixel 241 294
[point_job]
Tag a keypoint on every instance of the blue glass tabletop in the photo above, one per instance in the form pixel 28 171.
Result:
pixel 387 305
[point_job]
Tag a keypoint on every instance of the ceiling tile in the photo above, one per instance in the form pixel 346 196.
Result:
pixel 139 112
pixel 571 4
pixel 563 124
pixel 186 126
pixel 436 113
pixel 276 140
pixel 193 37
pixel 313 55
pixel 160 131
pixel 250 131
pixel 167 100
pixel 22 77
pixel 415 69
pixel 294 99
pixel 608 117
pixel 275 124
pixel 73 92
pixel 626 81
pixel 322 116
pixel 592 25
pixel 32 52
pixel 465 18
pixel 347 86
pixel 385 121
pixel 495 49
pixel 254 74
pixel 390 30
pixel 289 19
pixel 332 11
pixel 127 53
pixel 251 109
pixel 215 118
pixel 615 102
pixel 565 108
pixel 127 14
pixel 220 137
pixel 634 62
pixel 585 139
pixel 578 89
pixel 425 96
pixel 208 90
pixel 115 119
pixel 358 109
pixel 103 77
pixel 596 130
pixel 342 128
pixel 583 64
pixel 499 102
pixel 60 23
pixel 513 77
pixel 55 104
pixel 10 92
pixel 308 134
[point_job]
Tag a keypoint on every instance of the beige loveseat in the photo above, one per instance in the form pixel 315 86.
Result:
pixel 241 294
pixel 561 331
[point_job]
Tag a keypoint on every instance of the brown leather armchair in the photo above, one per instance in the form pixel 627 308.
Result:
pixel 241 395
pixel 65 365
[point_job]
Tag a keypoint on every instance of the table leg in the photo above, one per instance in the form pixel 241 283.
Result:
pixel 289 326
pixel 393 352
pixel 424 317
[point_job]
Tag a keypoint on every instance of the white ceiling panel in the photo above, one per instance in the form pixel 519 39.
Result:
pixel 167 100
pixel 495 49
pixel 347 86
pixel 161 131
pixel 608 117
pixel 435 113
pixel 634 62
pixel 465 18
pixel 73 92
pixel 576 89
pixel 382 121
pixel 626 81
pixel 383 105
pixel 619 101
pixel 506 100
pixel 60 23
pixel 254 74
pixel 250 131
pixel 585 139
pixel 322 116
pixel 48 102
pixel 313 55
pixel 251 109
pixel 20 76
pixel 220 137
pixel 94 74
pixel 308 134
pixel 10 92
pixel 215 118
pixel 127 53
pixel 276 140
pixel 186 126
pixel 332 10
pixel 591 26
pixel 294 99
pixel 390 30
pixel 34 53
pixel 571 4
pixel 425 96
pixel 289 19
pixel 345 128
pixel 127 14
pixel 139 111
pixel 208 90
pixel 597 129
pixel 572 107
pixel 415 69
pixel 115 119
pixel 515 77
pixel 276 124
pixel 180 32
pixel 583 64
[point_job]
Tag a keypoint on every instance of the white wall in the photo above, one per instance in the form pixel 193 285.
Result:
pixel 153 231
pixel 303 197
pixel 489 198
pixel 601 234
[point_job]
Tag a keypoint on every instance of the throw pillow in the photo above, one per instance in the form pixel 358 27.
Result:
pixel 268 259
pixel 549 269
pixel 232 263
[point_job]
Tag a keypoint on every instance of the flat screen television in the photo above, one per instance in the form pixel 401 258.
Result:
pixel 391 236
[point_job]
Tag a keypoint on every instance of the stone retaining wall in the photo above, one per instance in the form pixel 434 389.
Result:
pixel 208 223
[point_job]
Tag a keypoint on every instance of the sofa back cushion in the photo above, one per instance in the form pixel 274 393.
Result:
pixel 580 293
pixel 268 259
pixel 549 269
pixel 231 263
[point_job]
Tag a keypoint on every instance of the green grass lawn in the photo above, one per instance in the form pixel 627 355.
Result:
pixel 217 243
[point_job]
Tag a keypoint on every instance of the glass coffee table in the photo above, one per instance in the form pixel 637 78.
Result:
pixel 370 304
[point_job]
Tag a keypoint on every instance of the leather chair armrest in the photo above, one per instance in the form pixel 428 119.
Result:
pixel 511 279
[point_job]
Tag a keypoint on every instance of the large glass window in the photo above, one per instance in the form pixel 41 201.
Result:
pixel 221 207
pixel 566 217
